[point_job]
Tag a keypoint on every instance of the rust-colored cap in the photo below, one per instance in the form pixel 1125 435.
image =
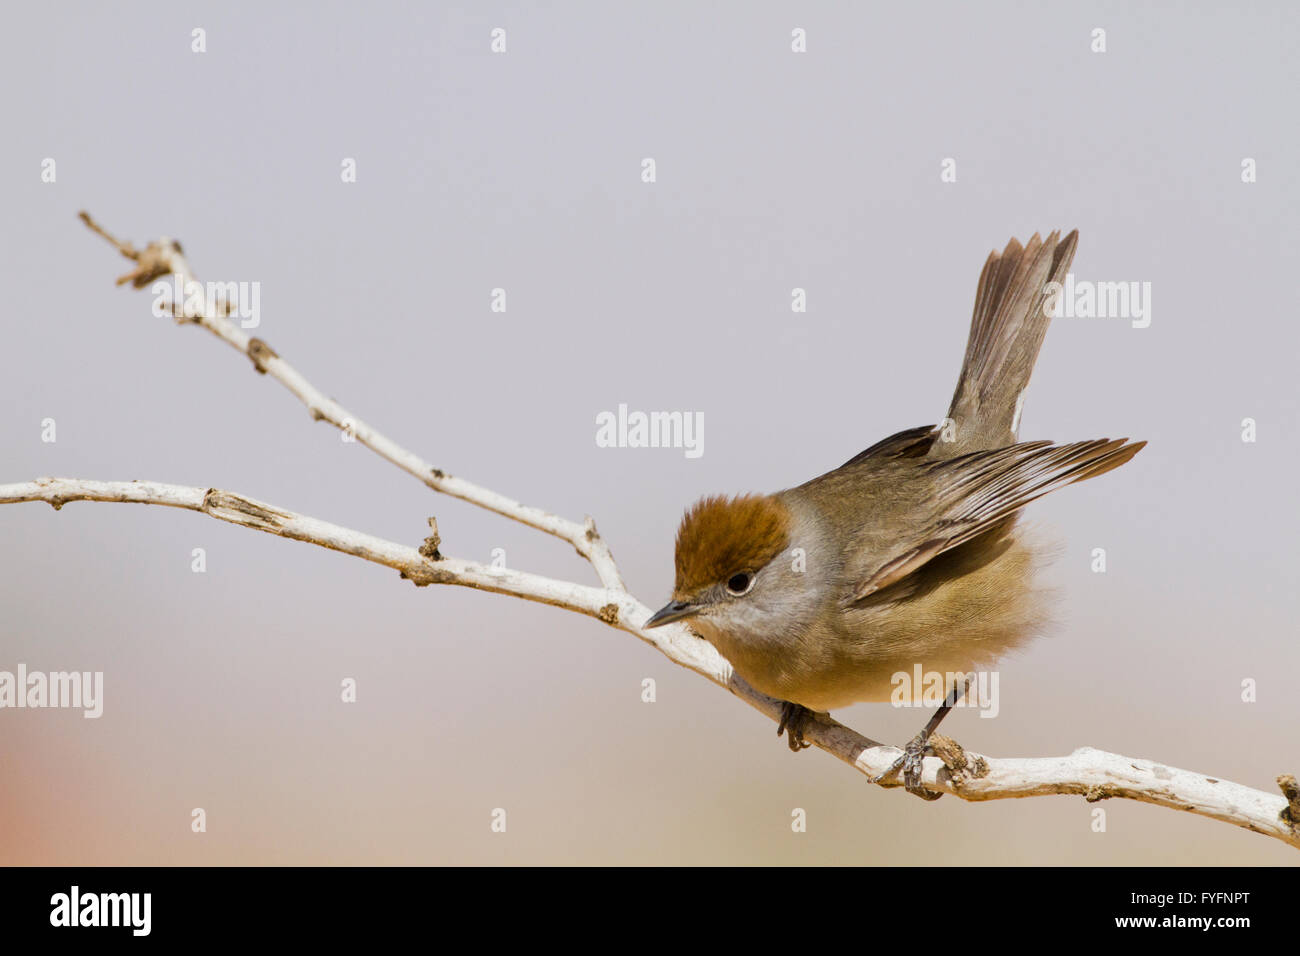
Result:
pixel 720 536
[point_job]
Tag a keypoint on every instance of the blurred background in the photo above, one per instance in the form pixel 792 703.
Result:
pixel 521 170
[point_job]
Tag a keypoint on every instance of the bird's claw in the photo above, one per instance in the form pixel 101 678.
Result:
pixel 911 763
pixel 794 718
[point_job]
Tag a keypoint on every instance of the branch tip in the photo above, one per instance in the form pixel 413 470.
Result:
pixel 123 247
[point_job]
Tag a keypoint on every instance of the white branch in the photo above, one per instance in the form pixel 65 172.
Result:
pixel 164 257
pixel 1094 774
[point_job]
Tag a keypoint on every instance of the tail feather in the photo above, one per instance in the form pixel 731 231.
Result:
pixel 1006 332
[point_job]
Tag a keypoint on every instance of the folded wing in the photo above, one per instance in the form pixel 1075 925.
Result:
pixel 977 491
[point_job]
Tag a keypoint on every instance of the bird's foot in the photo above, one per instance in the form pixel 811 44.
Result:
pixel 794 718
pixel 911 763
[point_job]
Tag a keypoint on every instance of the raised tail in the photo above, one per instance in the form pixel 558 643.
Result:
pixel 1006 332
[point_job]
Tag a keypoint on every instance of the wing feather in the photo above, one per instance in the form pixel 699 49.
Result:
pixel 978 490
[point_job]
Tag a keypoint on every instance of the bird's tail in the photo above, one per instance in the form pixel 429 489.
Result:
pixel 1006 332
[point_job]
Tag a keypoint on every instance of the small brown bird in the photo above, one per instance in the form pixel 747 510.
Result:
pixel 906 554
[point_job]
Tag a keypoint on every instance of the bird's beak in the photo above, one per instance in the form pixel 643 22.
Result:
pixel 673 611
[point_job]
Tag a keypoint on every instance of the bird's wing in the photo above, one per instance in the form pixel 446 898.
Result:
pixel 974 492
pixel 911 443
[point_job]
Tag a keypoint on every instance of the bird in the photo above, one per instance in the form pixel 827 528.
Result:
pixel 909 553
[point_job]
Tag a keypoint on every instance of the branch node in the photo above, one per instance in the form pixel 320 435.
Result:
pixel 260 353
pixel 239 510
pixel 960 764
pixel 608 614
pixel 1290 814
pixel 153 263
pixel 951 753
pixel 1096 793
pixel 430 547
pixel 423 577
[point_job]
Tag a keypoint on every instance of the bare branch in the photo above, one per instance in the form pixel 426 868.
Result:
pixel 165 257
pixel 250 513
pixel 1094 774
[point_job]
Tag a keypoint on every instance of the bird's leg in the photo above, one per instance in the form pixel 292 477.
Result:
pixel 794 718
pixel 915 751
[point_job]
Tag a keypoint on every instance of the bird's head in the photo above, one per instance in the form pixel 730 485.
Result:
pixel 727 550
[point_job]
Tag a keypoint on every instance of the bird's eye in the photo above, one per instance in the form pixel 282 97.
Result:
pixel 740 583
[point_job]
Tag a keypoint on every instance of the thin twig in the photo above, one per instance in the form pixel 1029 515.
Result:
pixel 166 255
